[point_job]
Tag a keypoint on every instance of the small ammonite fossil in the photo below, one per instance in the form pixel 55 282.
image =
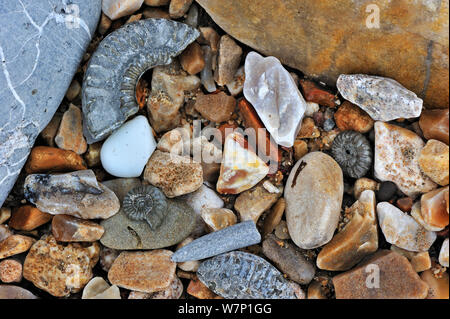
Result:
pixel 145 203
pixel 109 86
pixel 352 151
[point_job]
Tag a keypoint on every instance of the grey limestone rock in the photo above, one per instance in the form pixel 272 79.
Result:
pixel 227 239
pixel 108 93
pixel 41 45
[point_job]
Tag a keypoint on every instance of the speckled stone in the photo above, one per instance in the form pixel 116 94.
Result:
pixel 60 269
pixel 434 161
pixel 240 275
pixel 147 271
pixel 174 175
pixel 313 194
pixel 382 98
pixel 356 240
pixel 394 269
pixel 402 230
pixel 397 152
pixel 125 234
pixel 227 239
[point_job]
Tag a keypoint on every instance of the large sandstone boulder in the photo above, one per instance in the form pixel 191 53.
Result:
pixel 327 38
pixel 41 45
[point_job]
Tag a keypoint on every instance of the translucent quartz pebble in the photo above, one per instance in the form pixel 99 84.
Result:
pixel 275 97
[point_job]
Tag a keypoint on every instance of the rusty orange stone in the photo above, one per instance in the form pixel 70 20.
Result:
pixel 10 270
pixel 71 229
pixel 70 133
pixel 434 124
pixel 192 59
pixel 44 159
pixel 252 120
pixel 197 289
pixel 314 93
pixel 28 218
pixel 434 207
pixel 351 117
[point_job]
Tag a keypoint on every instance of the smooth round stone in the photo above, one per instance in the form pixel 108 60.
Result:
pixel 313 194
pixel 125 234
pixel 127 150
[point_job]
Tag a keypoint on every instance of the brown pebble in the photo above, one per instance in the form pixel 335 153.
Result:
pixel 228 60
pixel 14 245
pixel 74 90
pixel 104 25
pixel 155 13
pixel 215 107
pixel 178 8
pixel 70 133
pixel 28 218
pixel 49 132
pixel 274 217
pixel 434 124
pixel 92 155
pixel 438 285
pixel 351 117
pixel 405 204
pixel 71 229
pixel 5 214
pixel 192 59
pixel 44 159
pixel 197 289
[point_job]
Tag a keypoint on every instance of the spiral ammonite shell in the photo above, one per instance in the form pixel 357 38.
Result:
pixel 352 151
pixel 146 203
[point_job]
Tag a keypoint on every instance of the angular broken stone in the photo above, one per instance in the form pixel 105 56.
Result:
pixel 14 245
pixel 28 218
pixel 227 239
pixel 434 208
pixel 108 94
pixel 273 218
pixel 218 218
pixel 206 74
pixel 434 161
pixel 240 275
pixel 227 61
pixel 402 230
pixel 147 271
pixel 38 63
pixel 60 269
pixel 313 193
pixel 356 240
pixel 98 288
pixel 44 159
pixel 167 96
pixel 70 133
pixel 174 175
pixel 77 194
pixel 382 98
pixel 125 234
pixel 215 107
pixel 289 260
pixel 192 59
pixel 397 152
pixel 360 282
pixel 416 213
pixel 71 229
pixel 253 202
pixel 241 168
pixel 443 254
pixel 419 260
pixel 275 97
pixel 434 124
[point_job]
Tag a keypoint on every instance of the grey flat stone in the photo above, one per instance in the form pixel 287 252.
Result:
pixel 125 234
pixel 108 93
pixel 227 239
pixel 41 46
pixel 239 275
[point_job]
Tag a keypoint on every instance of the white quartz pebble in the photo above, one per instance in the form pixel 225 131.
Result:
pixel 273 93
pixel 402 230
pixel 443 255
pixel 127 150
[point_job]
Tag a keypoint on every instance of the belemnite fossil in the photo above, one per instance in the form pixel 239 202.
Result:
pixel 352 151
pixel 109 85
pixel 145 203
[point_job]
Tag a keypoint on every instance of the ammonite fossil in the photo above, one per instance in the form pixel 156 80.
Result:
pixel 240 275
pixel 109 85
pixel 352 151
pixel 145 203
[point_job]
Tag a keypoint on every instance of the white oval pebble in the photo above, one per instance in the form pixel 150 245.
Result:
pixel 126 152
